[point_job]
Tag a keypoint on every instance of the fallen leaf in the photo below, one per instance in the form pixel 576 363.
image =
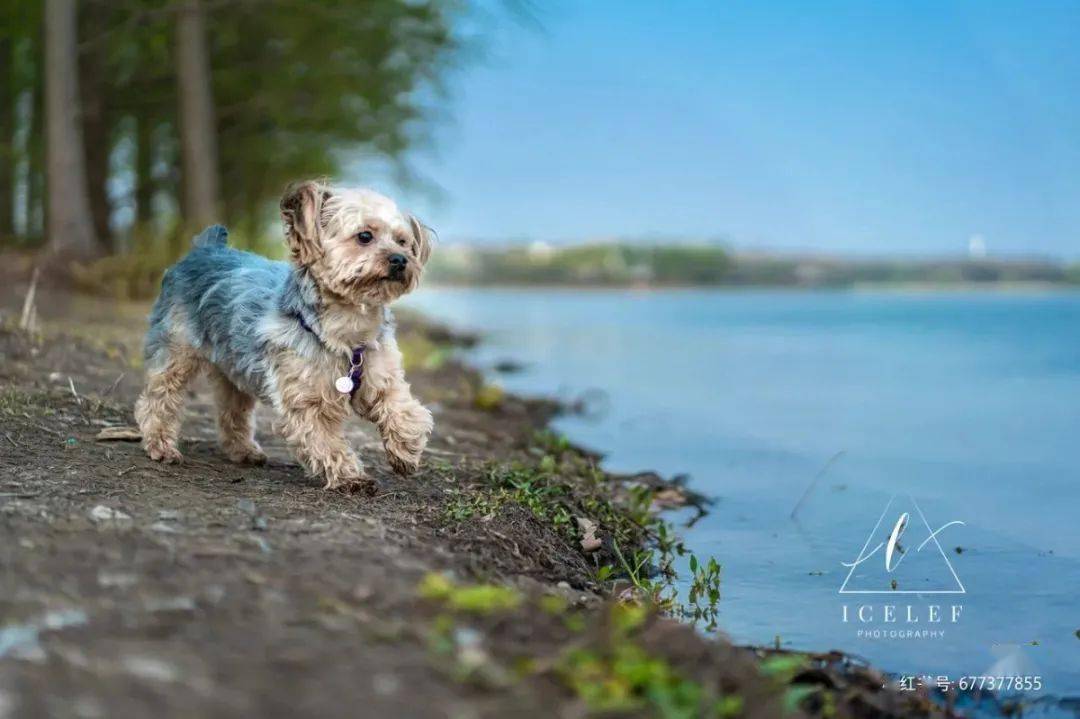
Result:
pixel 589 541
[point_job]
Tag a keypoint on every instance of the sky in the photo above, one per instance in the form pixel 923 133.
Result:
pixel 836 127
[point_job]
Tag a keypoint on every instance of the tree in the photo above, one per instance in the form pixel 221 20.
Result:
pixel 198 133
pixel 94 99
pixel 203 110
pixel 7 136
pixel 69 224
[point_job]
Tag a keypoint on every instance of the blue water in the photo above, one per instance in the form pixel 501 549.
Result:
pixel 966 404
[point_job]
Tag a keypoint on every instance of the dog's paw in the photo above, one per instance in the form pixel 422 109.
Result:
pixel 245 454
pixel 362 484
pixel 403 464
pixel 162 451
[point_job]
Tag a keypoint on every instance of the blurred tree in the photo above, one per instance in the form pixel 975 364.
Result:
pixel 196 111
pixel 94 96
pixel 69 222
pixel 7 136
pixel 300 85
pixel 198 138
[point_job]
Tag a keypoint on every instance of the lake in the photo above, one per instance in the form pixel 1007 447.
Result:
pixel 953 407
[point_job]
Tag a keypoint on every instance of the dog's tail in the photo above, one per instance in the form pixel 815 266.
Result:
pixel 213 236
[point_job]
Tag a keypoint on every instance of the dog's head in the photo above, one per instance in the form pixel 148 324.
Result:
pixel 356 243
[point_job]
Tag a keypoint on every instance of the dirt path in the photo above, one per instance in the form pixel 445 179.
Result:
pixel 133 589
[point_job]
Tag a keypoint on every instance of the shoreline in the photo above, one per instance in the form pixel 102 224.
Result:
pixel 475 570
pixel 857 288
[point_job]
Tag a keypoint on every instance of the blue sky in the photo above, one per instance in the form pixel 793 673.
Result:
pixel 867 126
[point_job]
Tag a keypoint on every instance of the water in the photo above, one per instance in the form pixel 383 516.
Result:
pixel 966 405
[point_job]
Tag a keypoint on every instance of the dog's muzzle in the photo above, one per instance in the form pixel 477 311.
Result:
pixel 398 263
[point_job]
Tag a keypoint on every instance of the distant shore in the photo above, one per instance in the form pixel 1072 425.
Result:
pixel 616 265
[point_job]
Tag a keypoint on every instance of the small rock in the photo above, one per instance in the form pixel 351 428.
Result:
pixel 164 528
pixel 508 366
pixel 150 668
pixel 178 605
pixel 120 580
pixel 385 684
pixel 101 513
pixel 168 515
pixel 259 542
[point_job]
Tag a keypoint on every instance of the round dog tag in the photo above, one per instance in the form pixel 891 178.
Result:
pixel 343 384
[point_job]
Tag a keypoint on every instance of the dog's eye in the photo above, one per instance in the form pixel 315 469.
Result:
pixel 365 237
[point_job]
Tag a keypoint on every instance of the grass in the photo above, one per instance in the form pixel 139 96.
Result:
pixel 470 598
pixel 17 403
pixel 619 675
pixel 563 484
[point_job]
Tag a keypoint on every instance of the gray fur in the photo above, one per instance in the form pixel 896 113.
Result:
pixel 233 306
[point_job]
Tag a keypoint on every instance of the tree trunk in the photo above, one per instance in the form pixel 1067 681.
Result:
pixel 35 150
pixel 198 133
pixel 69 224
pixel 144 170
pixel 95 120
pixel 7 139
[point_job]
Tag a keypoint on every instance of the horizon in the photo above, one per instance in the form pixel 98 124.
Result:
pixel 891 129
pixel 735 250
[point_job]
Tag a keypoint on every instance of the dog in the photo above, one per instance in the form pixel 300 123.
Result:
pixel 313 337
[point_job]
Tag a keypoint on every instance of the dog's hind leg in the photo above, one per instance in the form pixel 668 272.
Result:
pixel 159 408
pixel 236 421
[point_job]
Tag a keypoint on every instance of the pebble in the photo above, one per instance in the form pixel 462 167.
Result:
pixel 101 513
pixel 151 668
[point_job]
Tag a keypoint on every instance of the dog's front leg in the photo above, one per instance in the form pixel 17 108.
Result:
pixel 384 398
pixel 311 422
pixel 321 447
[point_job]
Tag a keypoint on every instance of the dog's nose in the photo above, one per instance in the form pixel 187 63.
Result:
pixel 398 261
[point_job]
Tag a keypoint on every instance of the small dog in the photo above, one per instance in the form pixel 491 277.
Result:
pixel 313 338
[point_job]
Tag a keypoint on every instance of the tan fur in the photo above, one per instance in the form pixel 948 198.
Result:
pixel 236 421
pixel 385 398
pixel 312 414
pixel 159 409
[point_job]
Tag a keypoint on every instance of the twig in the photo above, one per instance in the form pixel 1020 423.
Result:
pixel 9 439
pixel 53 432
pixel 29 309
pixel 113 386
pixel 78 401
pixel 817 478
pixel 122 472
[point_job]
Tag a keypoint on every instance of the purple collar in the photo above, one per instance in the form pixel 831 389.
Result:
pixel 356 367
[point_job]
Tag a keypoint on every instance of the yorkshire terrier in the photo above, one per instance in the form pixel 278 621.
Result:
pixel 313 337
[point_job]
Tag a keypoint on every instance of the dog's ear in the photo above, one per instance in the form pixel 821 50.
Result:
pixel 301 211
pixel 421 239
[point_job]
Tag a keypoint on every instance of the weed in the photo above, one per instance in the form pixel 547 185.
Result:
pixel 470 598
pixel 489 397
pixel 703 595
pixel 551 442
pixel 14 402
pixel 624 677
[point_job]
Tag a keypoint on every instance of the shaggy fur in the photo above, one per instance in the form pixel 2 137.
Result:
pixel 242 318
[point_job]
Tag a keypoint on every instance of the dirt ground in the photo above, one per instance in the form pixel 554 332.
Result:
pixel 131 588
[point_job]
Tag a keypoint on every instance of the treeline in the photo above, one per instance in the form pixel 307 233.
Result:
pixel 125 123
pixel 629 265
